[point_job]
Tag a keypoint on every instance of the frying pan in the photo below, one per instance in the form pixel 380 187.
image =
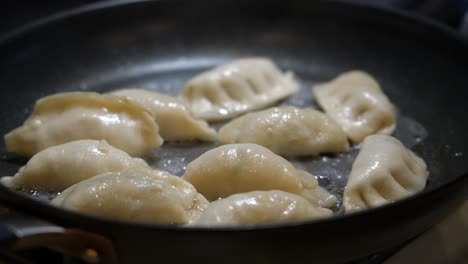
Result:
pixel 423 68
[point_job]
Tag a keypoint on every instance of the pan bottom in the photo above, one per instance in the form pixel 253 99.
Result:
pixel 331 170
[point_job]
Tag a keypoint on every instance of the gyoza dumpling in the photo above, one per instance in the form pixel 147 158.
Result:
pixel 287 131
pixel 357 103
pixel 172 115
pixel 237 87
pixel 259 207
pixel 136 194
pixel 66 117
pixel 59 167
pixel 239 168
pixel 384 171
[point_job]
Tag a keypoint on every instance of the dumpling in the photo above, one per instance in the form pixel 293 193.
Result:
pixel 138 194
pixel 384 171
pixel 357 103
pixel 59 167
pixel 287 131
pixel 237 87
pixel 259 207
pixel 239 168
pixel 172 115
pixel 66 117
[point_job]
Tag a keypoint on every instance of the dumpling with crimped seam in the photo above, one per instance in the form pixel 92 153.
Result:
pixel 70 116
pixel 384 171
pixel 357 103
pixel 138 194
pixel 259 207
pixel 59 167
pixel 237 87
pixel 173 117
pixel 239 168
pixel 287 131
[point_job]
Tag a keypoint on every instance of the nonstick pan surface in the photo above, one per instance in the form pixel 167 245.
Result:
pixel 422 67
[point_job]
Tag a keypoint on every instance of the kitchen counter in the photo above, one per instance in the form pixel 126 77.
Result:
pixel 447 242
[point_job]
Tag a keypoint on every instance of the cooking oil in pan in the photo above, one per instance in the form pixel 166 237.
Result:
pixel 331 170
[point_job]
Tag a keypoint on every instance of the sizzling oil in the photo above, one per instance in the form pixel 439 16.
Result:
pixel 331 170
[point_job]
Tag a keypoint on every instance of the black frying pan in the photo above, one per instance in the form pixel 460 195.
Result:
pixel 422 66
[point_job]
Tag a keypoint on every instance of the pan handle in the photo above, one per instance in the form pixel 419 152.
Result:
pixel 18 232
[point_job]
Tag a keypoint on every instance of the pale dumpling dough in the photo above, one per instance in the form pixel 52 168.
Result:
pixel 384 171
pixel 59 167
pixel 237 87
pixel 239 168
pixel 171 114
pixel 357 103
pixel 287 131
pixel 138 194
pixel 70 116
pixel 259 207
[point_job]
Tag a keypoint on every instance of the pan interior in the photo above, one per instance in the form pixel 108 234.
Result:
pixel 159 49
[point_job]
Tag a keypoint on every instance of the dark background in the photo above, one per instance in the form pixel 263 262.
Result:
pixel 14 13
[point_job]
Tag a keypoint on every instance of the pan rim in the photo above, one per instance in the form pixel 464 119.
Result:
pixel 44 210
pixel 57 215
pixel 52 18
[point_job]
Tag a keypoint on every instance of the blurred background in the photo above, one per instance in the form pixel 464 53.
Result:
pixel 14 13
